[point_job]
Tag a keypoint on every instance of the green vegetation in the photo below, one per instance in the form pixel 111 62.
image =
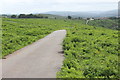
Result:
pixel 18 33
pixel 90 52
pixel 106 23
pixel 34 16
pixel 30 16
pixel 0 38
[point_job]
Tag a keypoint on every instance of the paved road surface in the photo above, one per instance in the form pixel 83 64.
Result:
pixel 41 59
pixel 0 69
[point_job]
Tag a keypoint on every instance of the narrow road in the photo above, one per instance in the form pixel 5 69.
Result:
pixel 87 21
pixel 41 59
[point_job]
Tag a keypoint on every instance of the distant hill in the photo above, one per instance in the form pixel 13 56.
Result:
pixel 63 14
pixel 112 13
pixel 51 15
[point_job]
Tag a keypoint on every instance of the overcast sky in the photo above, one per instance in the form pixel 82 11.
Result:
pixel 39 6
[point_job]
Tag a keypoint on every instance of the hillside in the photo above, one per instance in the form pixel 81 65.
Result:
pixel 112 13
pixel 90 51
pixel 51 16
pixel 106 23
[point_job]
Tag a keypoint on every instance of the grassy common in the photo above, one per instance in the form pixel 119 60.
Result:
pixel 90 51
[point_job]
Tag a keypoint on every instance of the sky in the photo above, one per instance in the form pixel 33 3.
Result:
pixel 41 6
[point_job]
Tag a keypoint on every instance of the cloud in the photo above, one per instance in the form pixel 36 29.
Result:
pixel 30 6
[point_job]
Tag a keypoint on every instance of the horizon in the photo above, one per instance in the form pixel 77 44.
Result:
pixel 47 12
pixel 40 6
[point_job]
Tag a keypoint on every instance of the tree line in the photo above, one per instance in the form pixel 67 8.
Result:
pixel 28 16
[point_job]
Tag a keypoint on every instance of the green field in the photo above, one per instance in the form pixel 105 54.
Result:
pixel 90 51
pixel 106 23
